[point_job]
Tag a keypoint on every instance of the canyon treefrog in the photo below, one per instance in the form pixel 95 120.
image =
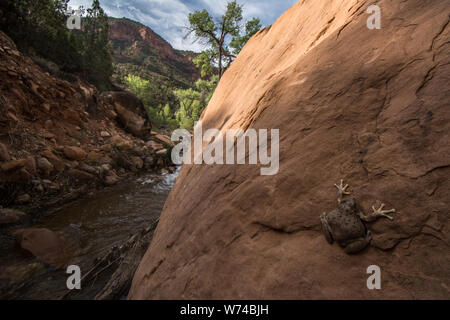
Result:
pixel 346 226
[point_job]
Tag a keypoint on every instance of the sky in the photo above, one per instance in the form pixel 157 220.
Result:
pixel 169 18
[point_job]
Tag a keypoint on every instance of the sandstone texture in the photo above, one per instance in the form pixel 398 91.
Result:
pixel 371 107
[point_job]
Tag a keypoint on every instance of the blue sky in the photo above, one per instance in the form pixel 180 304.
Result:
pixel 169 17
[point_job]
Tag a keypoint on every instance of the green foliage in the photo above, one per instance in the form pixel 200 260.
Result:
pixel 193 102
pixel 140 87
pixel 159 116
pixel 39 28
pixel 204 61
pixel 96 50
pixel 225 37
pixel 165 72
pixel 190 102
pixel 251 28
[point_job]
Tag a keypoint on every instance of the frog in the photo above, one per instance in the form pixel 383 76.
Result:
pixel 347 224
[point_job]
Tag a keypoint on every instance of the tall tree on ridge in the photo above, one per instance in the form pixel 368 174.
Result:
pixel 224 36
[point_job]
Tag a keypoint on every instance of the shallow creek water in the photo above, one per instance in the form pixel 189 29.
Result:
pixel 96 224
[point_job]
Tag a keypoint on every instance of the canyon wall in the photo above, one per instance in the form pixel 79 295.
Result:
pixel 367 106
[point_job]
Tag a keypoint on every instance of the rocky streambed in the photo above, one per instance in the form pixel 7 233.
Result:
pixel 104 234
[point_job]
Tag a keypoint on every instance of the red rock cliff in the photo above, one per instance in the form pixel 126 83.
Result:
pixel 142 39
pixel 369 106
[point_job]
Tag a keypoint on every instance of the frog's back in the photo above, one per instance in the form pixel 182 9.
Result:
pixel 346 224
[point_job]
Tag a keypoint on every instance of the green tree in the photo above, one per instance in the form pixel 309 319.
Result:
pixel 251 28
pixel 140 87
pixel 206 88
pixel 159 116
pixel 191 107
pixel 205 61
pixel 167 112
pixel 39 29
pixel 224 36
pixel 97 52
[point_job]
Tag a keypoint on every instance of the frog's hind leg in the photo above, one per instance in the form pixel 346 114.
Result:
pixel 342 191
pixel 358 245
pixel 326 229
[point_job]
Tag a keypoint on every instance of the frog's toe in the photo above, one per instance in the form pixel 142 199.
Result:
pixel 342 190
pixel 383 213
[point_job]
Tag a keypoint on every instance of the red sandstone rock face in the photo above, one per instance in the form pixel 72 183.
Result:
pixel 369 106
pixel 141 36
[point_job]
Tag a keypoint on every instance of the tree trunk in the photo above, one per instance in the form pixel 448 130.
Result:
pixel 220 62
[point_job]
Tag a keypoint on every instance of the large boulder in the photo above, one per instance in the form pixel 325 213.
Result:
pixel 53 248
pixel 369 106
pixel 131 121
pixel 130 111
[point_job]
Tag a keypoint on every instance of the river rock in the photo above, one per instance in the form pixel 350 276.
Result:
pixel 94 156
pixel 75 153
pixel 149 162
pixel 72 116
pixel 137 162
pixel 154 145
pixel 87 168
pixel 81 175
pixel 54 160
pixel 45 166
pixel 13 165
pixel 162 152
pixel 121 143
pixel 30 165
pixel 326 81
pixel 111 178
pixel 23 199
pixel 165 139
pixel 50 247
pixel 4 153
pixel 10 216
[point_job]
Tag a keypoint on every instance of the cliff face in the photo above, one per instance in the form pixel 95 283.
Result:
pixel 367 106
pixel 137 48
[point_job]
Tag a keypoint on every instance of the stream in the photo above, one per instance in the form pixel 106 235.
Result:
pixel 96 224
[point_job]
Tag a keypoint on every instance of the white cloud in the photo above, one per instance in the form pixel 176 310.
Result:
pixel 169 17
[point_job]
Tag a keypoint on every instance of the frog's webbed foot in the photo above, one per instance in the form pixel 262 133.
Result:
pixel 342 191
pixel 377 213
pixel 382 213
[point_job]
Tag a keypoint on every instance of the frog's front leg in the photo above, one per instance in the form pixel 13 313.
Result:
pixel 358 245
pixel 342 191
pixel 377 213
